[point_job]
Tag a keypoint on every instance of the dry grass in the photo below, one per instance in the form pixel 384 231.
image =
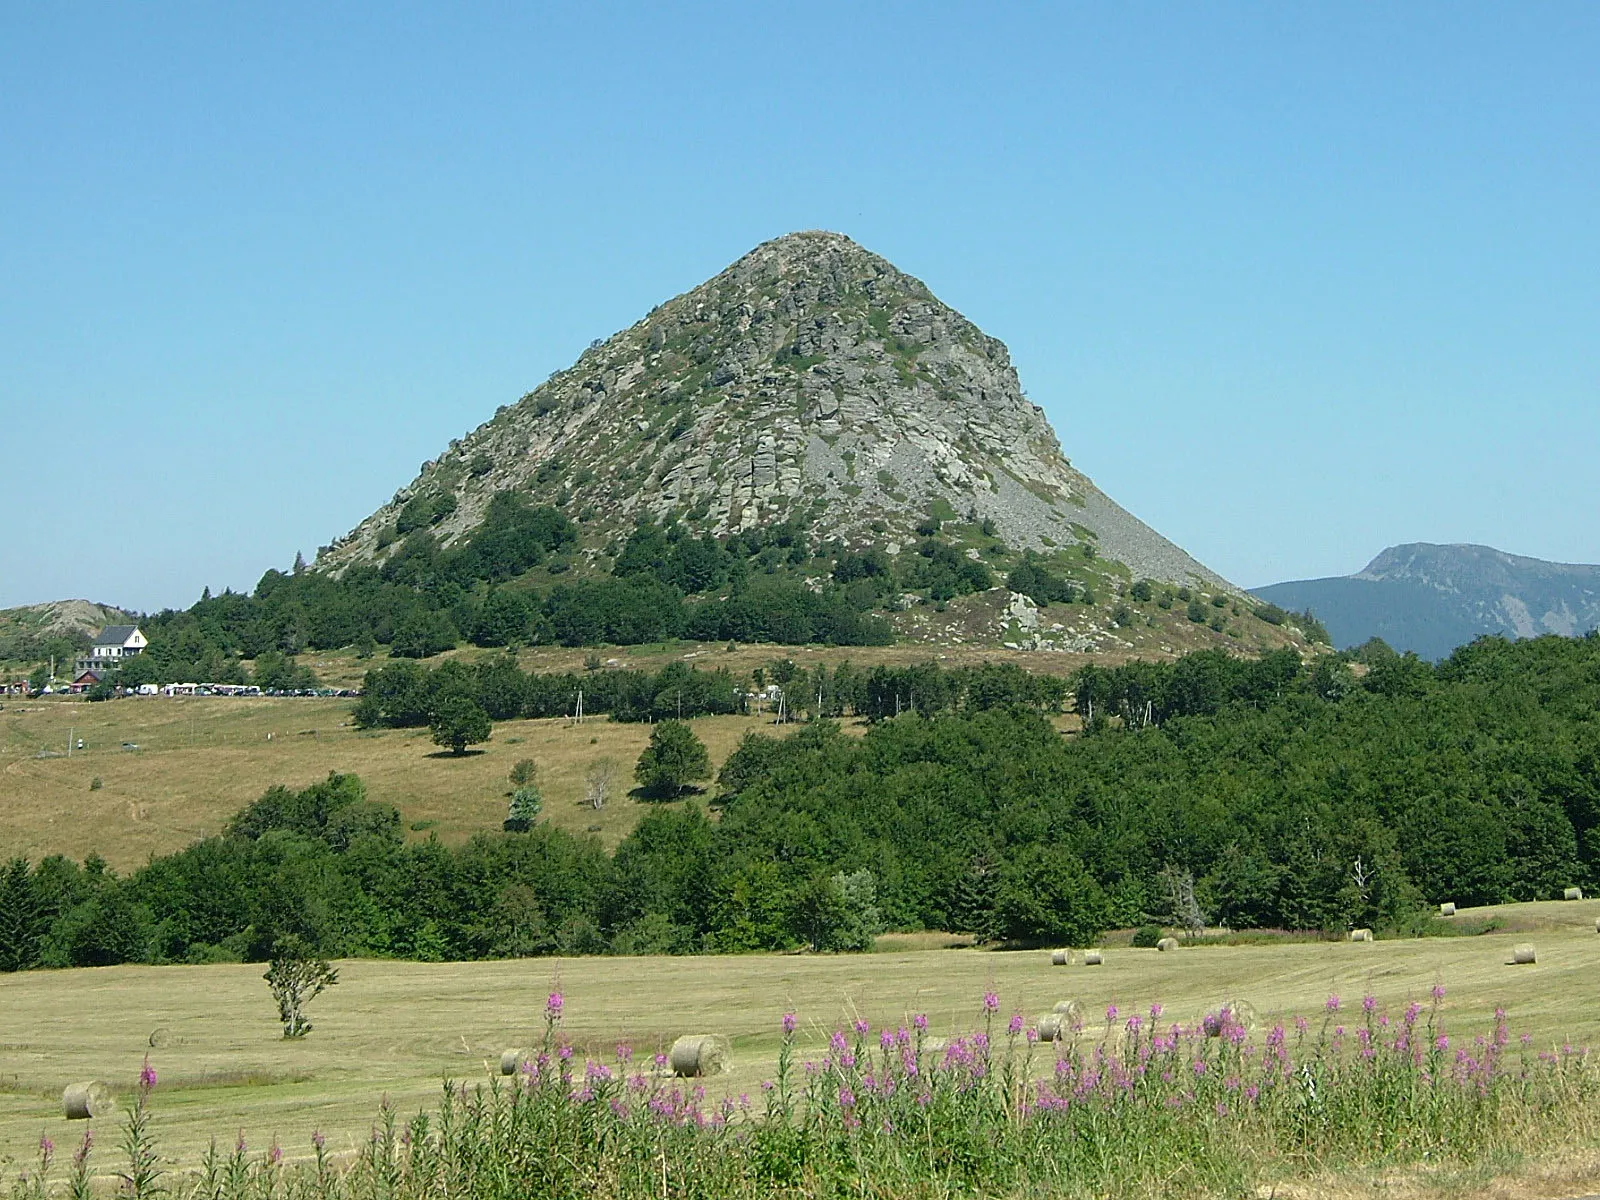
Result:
pixel 202 759
pixel 401 1028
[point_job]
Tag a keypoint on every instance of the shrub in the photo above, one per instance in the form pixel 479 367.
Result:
pixel 1146 936
pixel 526 804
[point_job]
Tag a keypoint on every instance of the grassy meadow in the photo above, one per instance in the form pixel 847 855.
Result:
pixel 398 1029
pixel 201 759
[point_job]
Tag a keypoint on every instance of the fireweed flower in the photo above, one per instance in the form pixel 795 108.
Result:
pixel 789 1023
pixel 862 1028
pixel 1368 1004
pixel 318 1139
pixel 1014 1026
pixel 147 1075
pixel 991 1002
pixel 553 1006
pixel 1437 993
pixel 1332 1004
pixel 920 1021
pixel 1111 1013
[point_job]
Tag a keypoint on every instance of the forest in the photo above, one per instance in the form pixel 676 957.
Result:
pixel 1352 792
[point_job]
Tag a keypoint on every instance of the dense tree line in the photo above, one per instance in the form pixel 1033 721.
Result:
pixel 423 598
pixel 407 694
pixel 1351 792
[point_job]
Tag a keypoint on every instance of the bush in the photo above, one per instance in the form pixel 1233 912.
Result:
pixel 526 805
pixel 1197 611
pixel 1146 936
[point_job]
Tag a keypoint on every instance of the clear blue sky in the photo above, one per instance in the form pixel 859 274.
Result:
pixel 1294 282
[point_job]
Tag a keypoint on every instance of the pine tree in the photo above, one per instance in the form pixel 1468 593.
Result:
pixel 19 918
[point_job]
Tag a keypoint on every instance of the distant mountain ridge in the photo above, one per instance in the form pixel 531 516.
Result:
pixel 1432 598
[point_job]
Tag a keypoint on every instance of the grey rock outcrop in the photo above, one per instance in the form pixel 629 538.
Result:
pixel 811 378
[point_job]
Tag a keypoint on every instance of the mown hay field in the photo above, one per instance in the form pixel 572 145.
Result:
pixel 400 1029
pixel 201 759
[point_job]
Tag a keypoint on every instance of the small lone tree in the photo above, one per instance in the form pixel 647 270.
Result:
pixel 1185 909
pixel 673 760
pixel 598 782
pixel 297 977
pixel 459 722
pixel 526 804
pixel 523 772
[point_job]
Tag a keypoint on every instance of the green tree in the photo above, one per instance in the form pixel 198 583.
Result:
pixel 20 917
pixel 526 804
pixel 674 760
pixel 459 722
pixel 1045 895
pixel 296 977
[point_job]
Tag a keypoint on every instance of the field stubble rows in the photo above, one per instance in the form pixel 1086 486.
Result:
pixel 400 1029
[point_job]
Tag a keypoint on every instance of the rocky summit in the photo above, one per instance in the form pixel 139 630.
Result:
pixel 810 380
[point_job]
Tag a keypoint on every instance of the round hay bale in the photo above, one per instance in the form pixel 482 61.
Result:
pixel 1061 958
pixel 1523 955
pixel 1166 944
pixel 1361 935
pixel 1070 1009
pixel 1597 924
pixel 1573 893
pixel 696 1054
pixel 1447 909
pixel 1052 1026
pixel 1093 958
pixel 91 1098
pixel 158 1039
pixel 509 1060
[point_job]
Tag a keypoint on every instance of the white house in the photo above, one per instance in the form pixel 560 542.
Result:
pixel 116 644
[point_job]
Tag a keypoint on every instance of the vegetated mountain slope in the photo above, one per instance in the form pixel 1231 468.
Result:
pixel 1431 599
pixel 27 631
pixel 809 380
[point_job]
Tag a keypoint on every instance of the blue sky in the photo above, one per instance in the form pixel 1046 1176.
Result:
pixel 1293 282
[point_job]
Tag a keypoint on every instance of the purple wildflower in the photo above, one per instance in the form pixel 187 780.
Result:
pixel 147 1075
pixel 1111 1013
pixel 1332 1004
pixel 861 1027
pixel 920 1022
pixel 553 1006
pixel 1014 1026
pixel 789 1023
pixel 991 1002
pixel 318 1139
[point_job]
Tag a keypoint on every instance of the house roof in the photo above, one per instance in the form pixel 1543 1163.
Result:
pixel 115 635
pixel 97 676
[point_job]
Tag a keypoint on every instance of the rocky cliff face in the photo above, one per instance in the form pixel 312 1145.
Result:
pixel 811 378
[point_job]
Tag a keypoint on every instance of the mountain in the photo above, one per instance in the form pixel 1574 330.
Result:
pixel 814 391
pixel 811 377
pixel 27 632
pixel 1431 599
